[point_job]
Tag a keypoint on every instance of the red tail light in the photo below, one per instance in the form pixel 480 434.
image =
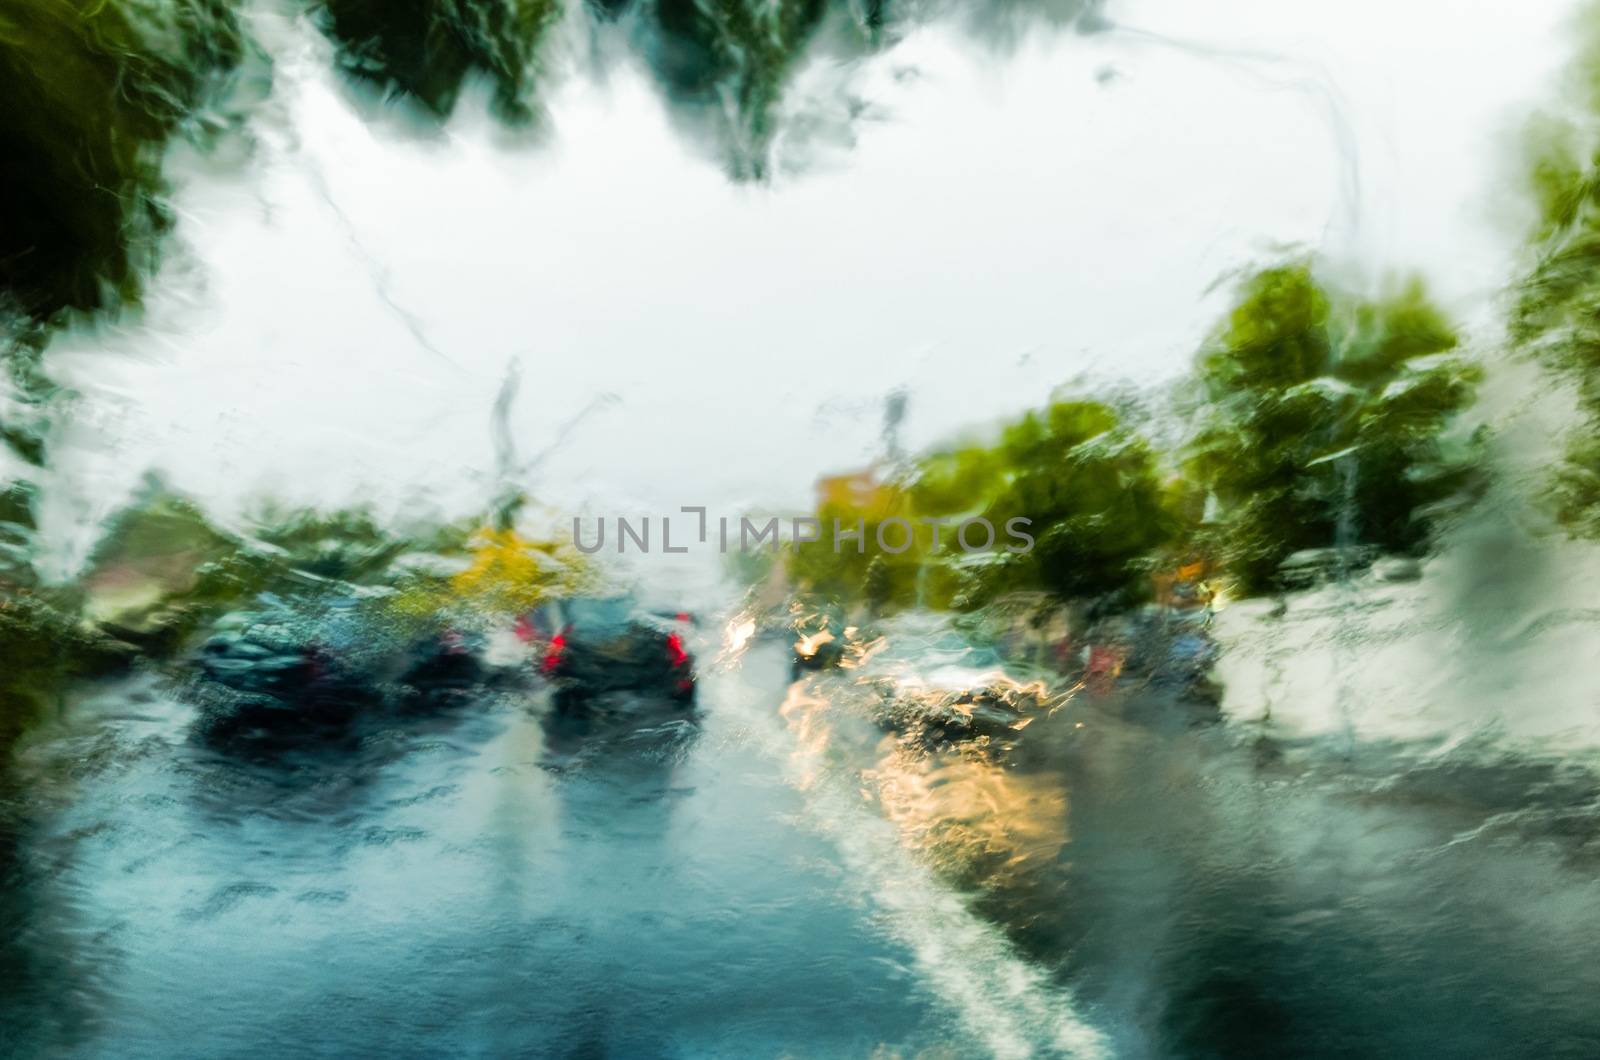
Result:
pixel 675 652
pixel 552 655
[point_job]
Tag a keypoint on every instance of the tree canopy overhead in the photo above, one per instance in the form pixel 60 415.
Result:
pixel 426 50
pixel 96 91
pixel 93 91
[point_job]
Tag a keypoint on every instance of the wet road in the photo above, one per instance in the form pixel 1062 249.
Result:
pixel 768 878
pixel 1212 886
pixel 479 883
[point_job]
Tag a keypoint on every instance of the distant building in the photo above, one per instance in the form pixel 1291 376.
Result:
pixel 858 491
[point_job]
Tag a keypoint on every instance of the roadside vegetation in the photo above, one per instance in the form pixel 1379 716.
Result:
pixel 1326 420
pixel 1317 421
pixel 164 574
pixel 1555 316
pixel 1092 490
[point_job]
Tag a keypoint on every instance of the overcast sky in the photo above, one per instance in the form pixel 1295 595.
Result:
pixel 334 321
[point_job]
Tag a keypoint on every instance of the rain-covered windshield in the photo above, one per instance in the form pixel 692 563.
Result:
pixel 1102 498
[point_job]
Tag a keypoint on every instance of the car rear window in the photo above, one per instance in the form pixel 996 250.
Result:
pixel 599 613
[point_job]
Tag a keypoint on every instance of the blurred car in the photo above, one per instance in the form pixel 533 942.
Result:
pixel 1159 646
pixel 596 646
pixel 447 662
pixel 822 636
pixel 952 715
pixel 285 666
pixel 818 635
pixel 820 650
pixel 976 711
pixel 1312 567
pixel 1188 657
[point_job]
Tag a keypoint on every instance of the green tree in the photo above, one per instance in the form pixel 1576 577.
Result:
pixel 93 91
pixel 857 570
pixel 1091 491
pixel 1556 315
pixel 1326 421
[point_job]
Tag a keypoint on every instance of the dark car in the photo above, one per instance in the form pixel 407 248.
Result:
pixel 987 714
pixel 285 667
pixel 823 639
pixel 596 646
pixel 817 651
pixel 443 665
